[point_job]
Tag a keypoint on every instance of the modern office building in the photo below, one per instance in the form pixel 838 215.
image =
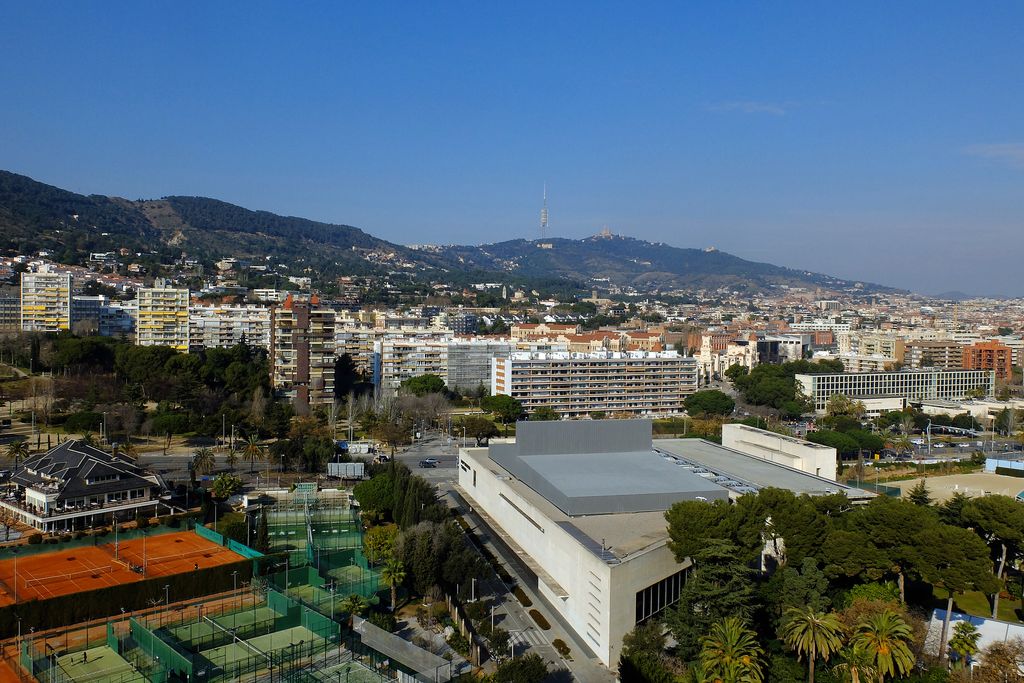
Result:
pixel 46 302
pixel 577 384
pixel 302 352
pixel 581 506
pixel 469 362
pixel 223 326
pixel 912 385
pixel 162 318
pixel 989 355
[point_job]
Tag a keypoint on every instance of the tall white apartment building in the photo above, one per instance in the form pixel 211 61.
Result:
pixel 162 317
pixel 223 326
pixel 46 302
pixel 400 358
pixel 577 384
pixel 912 385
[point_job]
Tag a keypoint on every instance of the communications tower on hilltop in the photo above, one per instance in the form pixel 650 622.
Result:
pixel 544 214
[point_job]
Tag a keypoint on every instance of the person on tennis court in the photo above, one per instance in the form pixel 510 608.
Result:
pixel 195 565
pixel 85 656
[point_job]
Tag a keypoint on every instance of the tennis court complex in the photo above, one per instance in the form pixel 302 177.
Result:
pixel 276 633
pixel 49 574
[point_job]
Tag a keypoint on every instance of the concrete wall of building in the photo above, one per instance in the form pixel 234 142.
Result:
pixel 567 563
pixel 801 455
pixel 596 599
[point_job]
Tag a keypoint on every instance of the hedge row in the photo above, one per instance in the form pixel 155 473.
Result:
pixel 64 610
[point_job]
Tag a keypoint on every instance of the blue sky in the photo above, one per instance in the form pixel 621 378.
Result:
pixel 875 141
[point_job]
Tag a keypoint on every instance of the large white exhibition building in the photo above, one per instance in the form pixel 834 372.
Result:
pixel 582 504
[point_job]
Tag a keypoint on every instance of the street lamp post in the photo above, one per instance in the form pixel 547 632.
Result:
pixel 167 594
pixel 234 579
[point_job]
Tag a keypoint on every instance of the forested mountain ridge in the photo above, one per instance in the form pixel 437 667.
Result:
pixel 38 217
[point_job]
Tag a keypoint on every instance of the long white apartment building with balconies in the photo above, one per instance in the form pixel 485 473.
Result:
pixel 224 326
pixel 578 384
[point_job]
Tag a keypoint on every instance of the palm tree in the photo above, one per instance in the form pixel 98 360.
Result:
pixel 354 605
pixel 885 637
pixel 730 653
pixel 17 450
pixel 88 439
pixel 901 443
pixel 203 461
pixel 253 451
pixel 812 634
pixel 855 663
pixel 393 574
pixel 232 458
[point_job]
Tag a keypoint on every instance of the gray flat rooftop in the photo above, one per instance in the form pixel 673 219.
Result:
pixel 752 470
pixel 584 476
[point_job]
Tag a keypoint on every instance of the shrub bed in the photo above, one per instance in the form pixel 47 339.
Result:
pixel 541 621
pixel 522 597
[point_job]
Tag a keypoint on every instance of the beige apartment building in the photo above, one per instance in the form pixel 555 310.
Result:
pixel 944 354
pixel 576 384
pixel 404 357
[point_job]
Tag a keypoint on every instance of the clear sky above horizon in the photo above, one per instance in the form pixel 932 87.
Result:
pixel 875 141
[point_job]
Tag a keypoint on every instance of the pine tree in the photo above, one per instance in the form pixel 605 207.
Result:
pixel 919 495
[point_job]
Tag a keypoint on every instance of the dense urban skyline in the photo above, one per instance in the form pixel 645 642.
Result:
pixel 872 143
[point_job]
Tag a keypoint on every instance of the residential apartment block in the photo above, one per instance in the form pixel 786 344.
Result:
pixel 400 358
pixel 576 384
pixel 46 302
pixel 989 355
pixel 944 354
pixel 912 385
pixel 302 353
pixel 223 326
pixel 162 317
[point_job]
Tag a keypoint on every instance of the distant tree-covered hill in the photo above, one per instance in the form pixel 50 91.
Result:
pixel 35 216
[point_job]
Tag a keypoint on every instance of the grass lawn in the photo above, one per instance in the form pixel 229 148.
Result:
pixel 977 604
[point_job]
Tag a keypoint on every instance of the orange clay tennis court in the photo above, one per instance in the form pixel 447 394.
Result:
pixel 61 572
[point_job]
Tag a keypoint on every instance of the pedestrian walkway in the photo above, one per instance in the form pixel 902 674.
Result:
pixel 514 618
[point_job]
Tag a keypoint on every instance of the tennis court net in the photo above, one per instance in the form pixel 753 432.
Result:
pixel 201 552
pixel 93 572
pixel 234 636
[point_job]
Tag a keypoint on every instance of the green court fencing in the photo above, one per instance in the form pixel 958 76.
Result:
pixel 209 534
pixel 243 550
pixel 178 662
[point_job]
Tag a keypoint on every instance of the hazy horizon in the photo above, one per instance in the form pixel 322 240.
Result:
pixel 868 142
